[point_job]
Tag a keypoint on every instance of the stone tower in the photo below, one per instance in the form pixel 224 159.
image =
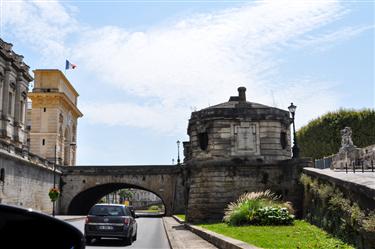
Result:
pixel 239 129
pixel 236 147
pixel 53 117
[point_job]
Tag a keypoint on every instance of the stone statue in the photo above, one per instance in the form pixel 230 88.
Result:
pixel 348 152
pixel 346 138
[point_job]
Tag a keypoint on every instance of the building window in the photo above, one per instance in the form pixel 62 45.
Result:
pixel 203 140
pixel 10 106
pixel 22 112
pixel 43 142
pixel 283 140
pixel 44 109
pixel 2 175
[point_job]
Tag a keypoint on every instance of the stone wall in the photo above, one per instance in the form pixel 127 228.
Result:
pixel 224 138
pixel 211 185
pixel 24 183
pixel 342 204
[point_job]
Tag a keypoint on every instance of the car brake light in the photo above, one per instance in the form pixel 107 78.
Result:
pixel 126 221
pixel 87 220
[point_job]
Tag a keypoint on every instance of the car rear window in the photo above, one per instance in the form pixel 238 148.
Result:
pixel 107 211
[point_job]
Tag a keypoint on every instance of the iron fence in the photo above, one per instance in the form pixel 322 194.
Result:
pixel 323 163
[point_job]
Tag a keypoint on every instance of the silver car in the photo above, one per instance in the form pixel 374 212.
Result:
pixel 111 221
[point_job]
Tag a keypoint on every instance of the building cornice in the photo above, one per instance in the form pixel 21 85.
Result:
pixel 35 96
pixel 70 86
pixel 15 59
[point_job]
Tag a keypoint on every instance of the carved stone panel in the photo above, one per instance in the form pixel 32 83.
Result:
pixel 246 138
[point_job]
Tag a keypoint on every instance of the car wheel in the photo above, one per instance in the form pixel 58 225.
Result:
pixel 135 236
pixel 129 240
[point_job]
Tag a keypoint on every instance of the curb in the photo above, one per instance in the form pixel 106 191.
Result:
pixel 181 221
pixel 216 239
pixel 170 242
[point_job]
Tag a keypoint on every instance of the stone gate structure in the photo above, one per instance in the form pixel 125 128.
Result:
pixel 236 147
pixel 84 186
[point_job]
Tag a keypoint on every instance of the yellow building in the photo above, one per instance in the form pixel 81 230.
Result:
pixel 53 117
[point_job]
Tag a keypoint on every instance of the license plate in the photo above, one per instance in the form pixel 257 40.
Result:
pixel 105 227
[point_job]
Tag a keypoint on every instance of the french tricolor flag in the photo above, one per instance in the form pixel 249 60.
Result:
pixel 69 65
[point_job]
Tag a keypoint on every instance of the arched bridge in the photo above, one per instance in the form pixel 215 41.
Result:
pixel 83 186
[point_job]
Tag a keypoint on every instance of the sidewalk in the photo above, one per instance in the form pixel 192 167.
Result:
pixel 181 238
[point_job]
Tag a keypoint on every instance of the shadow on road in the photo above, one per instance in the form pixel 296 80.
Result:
pixel 149 215
pixel 179 227
pixel 107 242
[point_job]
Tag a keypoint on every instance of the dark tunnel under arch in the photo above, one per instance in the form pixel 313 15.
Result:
pixel 83 201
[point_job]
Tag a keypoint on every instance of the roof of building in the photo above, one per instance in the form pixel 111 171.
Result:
pixel 238 108
pixel 238 102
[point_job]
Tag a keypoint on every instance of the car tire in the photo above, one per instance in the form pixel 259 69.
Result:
pixel 135 236
pixel 129 240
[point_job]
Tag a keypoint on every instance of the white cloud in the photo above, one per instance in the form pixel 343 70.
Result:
pixel 44 25
pixel 200 60
pixel 193 61
pixel 323 42
pixel 128 114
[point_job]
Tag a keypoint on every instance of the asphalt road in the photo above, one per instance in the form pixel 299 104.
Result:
pixel 151 234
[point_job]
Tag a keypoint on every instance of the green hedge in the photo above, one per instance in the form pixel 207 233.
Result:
pixel 321 137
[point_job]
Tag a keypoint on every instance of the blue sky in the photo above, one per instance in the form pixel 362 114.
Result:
pixel 143 66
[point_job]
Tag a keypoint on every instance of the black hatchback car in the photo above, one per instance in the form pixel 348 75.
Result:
pixel 111 221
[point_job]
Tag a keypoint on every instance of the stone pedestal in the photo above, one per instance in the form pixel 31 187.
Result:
pixel 347 157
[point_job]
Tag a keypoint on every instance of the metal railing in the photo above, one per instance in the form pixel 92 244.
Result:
pixel 359 166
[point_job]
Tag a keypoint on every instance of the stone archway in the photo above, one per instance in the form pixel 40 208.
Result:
pixel 83 186
pixel 83 201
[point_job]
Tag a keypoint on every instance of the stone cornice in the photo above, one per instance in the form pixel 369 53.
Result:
pixel 53 99
pixel 15 59
pixel 63 77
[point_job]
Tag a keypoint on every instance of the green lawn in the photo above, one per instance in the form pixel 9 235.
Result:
pixel 301 235
pixel 181 216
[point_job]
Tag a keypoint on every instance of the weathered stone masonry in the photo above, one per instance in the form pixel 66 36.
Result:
pixel 82 187
pixel 214 184
pixel 236 147
pixel 24 183
pixel 357 191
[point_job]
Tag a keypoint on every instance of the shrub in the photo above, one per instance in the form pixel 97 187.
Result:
pixel 321 137
pixel 273 216
pixel 259 208
pixel 153 207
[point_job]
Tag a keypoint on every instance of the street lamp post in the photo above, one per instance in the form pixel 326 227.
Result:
pixel 178 152
pixel 292 109
pixel 54 180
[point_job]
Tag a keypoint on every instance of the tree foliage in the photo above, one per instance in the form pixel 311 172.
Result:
pixel 125 194
pixel 321 137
